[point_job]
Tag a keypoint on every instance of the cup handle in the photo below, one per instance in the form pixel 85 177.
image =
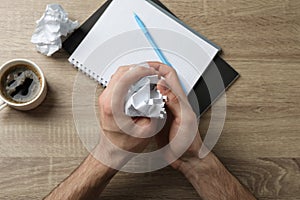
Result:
pixel 2 104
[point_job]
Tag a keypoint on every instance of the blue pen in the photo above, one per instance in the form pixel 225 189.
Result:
pixel 153 44
pixel 151 40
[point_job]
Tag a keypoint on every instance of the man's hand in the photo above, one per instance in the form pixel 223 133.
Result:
pixel 208 176
pixel 117 136
pixel 121 135
pixel 181 118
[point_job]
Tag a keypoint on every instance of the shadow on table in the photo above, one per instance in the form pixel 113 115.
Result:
pixel 162 184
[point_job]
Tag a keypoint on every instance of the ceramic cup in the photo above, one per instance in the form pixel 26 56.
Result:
pixel 22 85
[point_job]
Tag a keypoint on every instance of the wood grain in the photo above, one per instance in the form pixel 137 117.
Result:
pixel 260 142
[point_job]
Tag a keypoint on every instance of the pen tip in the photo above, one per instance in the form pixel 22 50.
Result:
pixel 136 17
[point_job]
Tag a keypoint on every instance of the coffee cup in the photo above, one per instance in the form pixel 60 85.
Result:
pixel 22 85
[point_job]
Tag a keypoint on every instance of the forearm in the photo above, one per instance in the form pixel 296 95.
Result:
pixel 213 181
pixel 86 182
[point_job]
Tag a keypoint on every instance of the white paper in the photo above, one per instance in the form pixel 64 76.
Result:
pixel 189 54
pixel 53 24
pixel 144 100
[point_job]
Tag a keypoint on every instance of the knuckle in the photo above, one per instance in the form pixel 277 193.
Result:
pixel 122 69
pixel 173 98
pixel 107 109
pixel 173 71
pixel 177 121
pixel 139 70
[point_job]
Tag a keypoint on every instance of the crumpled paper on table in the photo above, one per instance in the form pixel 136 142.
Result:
pixel 144 100
pixel 53 24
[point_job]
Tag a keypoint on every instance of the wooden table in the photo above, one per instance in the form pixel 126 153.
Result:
pixel 260 143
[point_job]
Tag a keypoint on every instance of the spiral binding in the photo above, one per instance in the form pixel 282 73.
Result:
pixel 91 74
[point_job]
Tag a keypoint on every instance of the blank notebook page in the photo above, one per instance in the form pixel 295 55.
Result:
pixel 116 40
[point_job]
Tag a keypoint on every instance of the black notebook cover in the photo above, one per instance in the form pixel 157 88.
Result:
pixel 216 69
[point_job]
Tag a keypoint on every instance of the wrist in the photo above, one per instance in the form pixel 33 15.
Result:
pixel 212 180
pixel 95 173
pixel 194 167
pixel 98 169
pixel 111 156
pixel 86 182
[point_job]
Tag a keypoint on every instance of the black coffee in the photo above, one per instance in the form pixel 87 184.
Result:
pixel 20 84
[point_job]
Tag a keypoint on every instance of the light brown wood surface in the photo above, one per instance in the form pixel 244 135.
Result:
pixel 260 142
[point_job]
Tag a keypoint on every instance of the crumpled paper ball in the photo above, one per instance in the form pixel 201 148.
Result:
pixel 53 24
pixel 144 100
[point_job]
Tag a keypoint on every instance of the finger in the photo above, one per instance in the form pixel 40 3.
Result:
pixel 122 85
pixel 173 101
pixel 164 70
pixel 170 76
pixel 141 120
pixel 117 75
pixel 162 138
pixel 113 79
pixel 117 94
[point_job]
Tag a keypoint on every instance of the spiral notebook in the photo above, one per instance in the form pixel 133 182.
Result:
pixel 116 40
pixel 204 95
